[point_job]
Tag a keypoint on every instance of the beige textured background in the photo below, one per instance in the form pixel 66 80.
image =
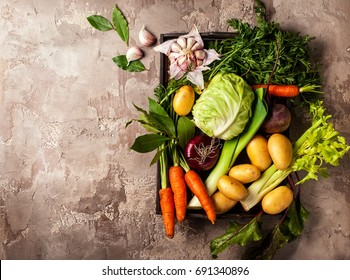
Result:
pixel 70 188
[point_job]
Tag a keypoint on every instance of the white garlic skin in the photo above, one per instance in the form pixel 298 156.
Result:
pixel 146 38
pixel 134 53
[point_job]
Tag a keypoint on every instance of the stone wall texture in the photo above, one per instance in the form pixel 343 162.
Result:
pixel 70 187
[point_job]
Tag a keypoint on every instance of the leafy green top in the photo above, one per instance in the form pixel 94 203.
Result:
pixel 253 52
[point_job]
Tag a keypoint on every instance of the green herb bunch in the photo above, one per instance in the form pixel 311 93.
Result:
pixel 254 51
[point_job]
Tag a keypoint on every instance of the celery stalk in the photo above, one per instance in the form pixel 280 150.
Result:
pixel 232 148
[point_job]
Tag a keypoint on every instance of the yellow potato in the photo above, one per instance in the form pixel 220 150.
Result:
pixel 183 100
pixel 231 188
pixel 258 153
pixel 222 203
pixel 277 200
pixel 245 173
pixel 281 150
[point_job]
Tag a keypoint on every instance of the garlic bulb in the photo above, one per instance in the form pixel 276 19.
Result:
pixel 146 38
pixel 133 53
pixel 188 53
pixel 188 57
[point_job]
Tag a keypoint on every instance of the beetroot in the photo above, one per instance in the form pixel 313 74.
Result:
pixel 279 119
pixel 202 152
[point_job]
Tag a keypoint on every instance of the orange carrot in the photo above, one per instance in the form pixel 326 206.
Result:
pixel 167 206
pixel 286 90
pixel 280 90
pixel 178 186
pixel 196 185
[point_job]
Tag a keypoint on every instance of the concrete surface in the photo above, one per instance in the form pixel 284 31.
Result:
pixel 70 188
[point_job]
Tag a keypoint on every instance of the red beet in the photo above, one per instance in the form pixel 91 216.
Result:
pixel 202 152
pixel 279 119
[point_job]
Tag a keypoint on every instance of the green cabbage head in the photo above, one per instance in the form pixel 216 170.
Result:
pixel 224 107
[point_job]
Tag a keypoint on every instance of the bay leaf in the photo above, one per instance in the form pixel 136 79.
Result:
pixel 120 24
pixel 133 66
pixel 100 23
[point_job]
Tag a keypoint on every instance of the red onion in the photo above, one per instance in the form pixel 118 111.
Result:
pixel 202 152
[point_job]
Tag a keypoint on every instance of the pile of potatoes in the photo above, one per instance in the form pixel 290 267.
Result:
pixel 262 152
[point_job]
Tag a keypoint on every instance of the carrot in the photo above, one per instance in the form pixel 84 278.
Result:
pixel 286 90
pixel 167 207
pixel 178 186
pixel 196 185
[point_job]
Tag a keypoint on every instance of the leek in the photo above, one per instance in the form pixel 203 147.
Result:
pixel 319 144
pixel 232 148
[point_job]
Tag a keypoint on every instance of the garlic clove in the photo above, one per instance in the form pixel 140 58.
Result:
pixel 197 46
pixel 146 38
pixel 182 42
pixel 199 62
pixel 185 64
pixel 133 53
pixel 190 42
pixel 181 59
pixel 200 54
pixel 175 47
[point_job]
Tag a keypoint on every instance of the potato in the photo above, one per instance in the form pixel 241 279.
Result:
pixel 245 173
pixel 281 150
pixel 231 188
pixel 183 100
pixel 258 153
pixel 277 200
pixel 222 203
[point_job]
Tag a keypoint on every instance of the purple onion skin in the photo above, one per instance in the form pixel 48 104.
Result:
pixel 202 152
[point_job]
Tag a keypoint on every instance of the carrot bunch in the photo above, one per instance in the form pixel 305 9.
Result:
pixel 173 200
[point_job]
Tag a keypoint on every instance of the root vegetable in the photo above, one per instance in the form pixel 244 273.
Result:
pixel 279 119
pixel 222 204
pixel 245 173
pixel 277 200
pixel 258 152
pixel 231 188
pixel 178 186
pixel 183 100
pixel 202 152
pixel 196 185
pixel 168 210
pixel 281 150
pixel 287 90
